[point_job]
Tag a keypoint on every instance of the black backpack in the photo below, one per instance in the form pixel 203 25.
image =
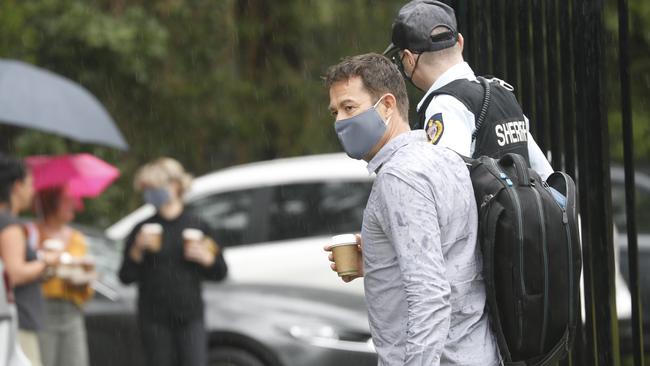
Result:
pixel 531 256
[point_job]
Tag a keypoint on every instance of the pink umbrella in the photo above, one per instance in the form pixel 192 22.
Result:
pixel 84 175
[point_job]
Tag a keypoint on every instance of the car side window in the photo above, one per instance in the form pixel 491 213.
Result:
pixel 311 209
pixel 228 214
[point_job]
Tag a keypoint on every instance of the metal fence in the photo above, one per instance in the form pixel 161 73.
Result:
pixel 552 51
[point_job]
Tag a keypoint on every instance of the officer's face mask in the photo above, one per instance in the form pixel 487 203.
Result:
pixel 359 134
pixel 157 197
pixel 409 78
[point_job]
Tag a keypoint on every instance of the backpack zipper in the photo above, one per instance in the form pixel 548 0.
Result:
pixel 565 220
pixel 567 229
pixel 545 256
pixel 520 235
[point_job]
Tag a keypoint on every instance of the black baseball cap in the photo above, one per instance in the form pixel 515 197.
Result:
pixel 414 23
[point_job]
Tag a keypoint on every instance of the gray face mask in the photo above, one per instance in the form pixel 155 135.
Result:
pixel 156 197
pixel 359 134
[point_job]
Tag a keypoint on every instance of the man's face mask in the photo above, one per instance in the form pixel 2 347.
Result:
pixel 359 134
pixel 157 197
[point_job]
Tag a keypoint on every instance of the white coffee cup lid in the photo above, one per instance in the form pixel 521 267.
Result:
pixel 66 258
pixel 54 244
pixel 343 239
pixel 192 234
pixel 152 228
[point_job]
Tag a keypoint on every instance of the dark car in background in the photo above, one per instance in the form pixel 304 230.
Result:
pixel 281 304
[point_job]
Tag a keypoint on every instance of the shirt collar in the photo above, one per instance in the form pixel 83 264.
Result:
pixel 459 71
pixel 391 147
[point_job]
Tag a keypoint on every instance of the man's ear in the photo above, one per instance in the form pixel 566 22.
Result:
pixel 409 57
pixel 461 42
pixel 390 104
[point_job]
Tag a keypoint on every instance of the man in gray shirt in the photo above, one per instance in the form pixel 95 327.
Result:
pixel 421 263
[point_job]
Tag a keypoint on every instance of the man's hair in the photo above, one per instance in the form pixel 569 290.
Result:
pixel 11 171
pixel 378 75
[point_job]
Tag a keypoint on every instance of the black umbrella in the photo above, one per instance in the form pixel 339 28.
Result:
pixel 35 98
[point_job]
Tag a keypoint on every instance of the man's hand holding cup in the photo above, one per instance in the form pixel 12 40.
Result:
pixel 345 255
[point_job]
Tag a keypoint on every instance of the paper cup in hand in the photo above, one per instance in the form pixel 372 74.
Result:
pixel 192 236
pixel 65 269
pixel 87 263
pixel 346 254
pixel 153 233
pixel 54 245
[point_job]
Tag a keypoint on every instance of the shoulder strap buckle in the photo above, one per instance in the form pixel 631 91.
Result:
pixel 504 84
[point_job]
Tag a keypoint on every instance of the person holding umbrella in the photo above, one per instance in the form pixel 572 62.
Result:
pixel 61 182
pixel 26 266
pixel 169 255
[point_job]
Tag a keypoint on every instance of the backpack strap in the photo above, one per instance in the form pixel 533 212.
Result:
pixel 519 164
pixel 33 235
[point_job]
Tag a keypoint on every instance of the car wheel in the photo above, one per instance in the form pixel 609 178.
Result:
pixel 230 356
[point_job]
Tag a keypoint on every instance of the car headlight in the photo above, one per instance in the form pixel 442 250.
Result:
pixel 327 336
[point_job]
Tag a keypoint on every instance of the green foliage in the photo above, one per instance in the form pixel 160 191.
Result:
pixel 210 83
pixel 216 83
pixel 639 53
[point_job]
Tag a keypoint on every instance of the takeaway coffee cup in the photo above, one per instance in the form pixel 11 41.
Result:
pixel 153 233
pixel 54 245
pixel 87 263
pixel 346 254
pixel 191 236
pixel 66 268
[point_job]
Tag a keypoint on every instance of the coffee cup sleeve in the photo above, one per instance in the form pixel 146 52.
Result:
pixel 211 245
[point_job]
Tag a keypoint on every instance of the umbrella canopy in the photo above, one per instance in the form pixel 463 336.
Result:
pixel 34 98
pixel 84 175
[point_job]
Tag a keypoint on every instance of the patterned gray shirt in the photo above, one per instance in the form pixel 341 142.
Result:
pixel 422 265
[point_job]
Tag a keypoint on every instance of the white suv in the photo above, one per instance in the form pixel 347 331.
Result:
pixel 274 217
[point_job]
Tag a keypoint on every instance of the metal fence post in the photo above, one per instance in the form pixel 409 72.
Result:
pixel 594 186
pixel 628 153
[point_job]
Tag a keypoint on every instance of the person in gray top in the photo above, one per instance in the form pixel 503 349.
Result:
pixel 25 265
pixel 421 263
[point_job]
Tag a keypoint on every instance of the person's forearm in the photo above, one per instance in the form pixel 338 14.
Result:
pixel 217 271
pixel 136 254
pixel 26 272
pixel 129 272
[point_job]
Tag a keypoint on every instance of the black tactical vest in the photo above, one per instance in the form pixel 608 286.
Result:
pixel 504 128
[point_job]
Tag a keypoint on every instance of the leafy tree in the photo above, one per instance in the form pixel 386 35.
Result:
pixel 211 83
pixel 216 83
